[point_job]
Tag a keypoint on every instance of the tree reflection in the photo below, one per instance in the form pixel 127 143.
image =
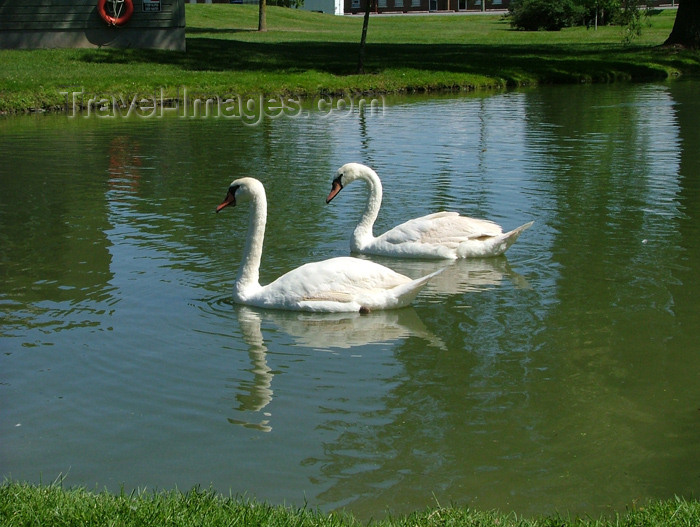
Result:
pixel 55 263
pixel 570 385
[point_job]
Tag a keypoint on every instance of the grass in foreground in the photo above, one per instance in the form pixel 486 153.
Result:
pixel 52 506
pixel 307 54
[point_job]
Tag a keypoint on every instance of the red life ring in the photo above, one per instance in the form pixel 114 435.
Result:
pixel 118 18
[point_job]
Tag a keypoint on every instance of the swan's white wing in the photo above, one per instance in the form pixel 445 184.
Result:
pixel 339 284
pixel 437 235
pixel 441 228
pixel 339 276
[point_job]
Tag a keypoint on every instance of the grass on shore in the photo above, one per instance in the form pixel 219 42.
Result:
pixel 52 506
pixel 307 54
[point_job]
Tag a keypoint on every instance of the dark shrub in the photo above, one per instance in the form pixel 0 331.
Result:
pixel 549 15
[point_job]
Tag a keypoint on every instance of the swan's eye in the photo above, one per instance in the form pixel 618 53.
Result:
pixel 339 180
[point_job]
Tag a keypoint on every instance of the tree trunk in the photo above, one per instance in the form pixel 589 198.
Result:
pixel 686 28
pixel 363 40
pixel 262 15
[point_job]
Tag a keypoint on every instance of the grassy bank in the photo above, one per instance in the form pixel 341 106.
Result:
pixel 306 54
pixel 25 505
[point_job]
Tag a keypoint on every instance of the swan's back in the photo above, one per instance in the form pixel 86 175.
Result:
pixel 338 284
pixel 447 228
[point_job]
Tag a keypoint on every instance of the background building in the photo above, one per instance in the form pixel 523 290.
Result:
pixel 91 23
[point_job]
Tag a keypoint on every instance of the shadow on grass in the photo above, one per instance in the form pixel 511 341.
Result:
pixel 218 31
pixel 565 63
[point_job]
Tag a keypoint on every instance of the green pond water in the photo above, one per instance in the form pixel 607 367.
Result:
pixel 564 376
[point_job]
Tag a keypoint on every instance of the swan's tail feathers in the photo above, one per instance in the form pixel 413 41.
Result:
pixel 504 241
pixel 491 246
pixel 406 293
pixel 425 279
pixel 513 235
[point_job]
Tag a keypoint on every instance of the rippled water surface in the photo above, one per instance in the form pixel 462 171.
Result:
pixel 562 377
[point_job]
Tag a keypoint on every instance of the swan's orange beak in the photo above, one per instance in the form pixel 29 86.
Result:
pixel 337 187
pixel 229 200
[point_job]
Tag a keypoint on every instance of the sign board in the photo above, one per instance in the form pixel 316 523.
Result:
pixel 151 6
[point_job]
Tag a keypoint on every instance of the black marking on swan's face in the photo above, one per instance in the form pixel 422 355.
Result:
pixel 230 198
pixel 336 187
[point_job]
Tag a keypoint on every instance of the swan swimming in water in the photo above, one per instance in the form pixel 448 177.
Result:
pixel 445 235
pixel 343 284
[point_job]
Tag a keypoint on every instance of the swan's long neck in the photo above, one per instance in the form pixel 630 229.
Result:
pixel 249 271
pixel 363 232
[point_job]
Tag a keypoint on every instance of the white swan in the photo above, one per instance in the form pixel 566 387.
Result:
pixel 440 235
pixel 342 284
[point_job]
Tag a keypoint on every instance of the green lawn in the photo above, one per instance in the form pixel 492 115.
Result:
pixel 306 54
pixel 24 505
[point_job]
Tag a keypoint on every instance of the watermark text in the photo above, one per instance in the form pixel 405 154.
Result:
pixel 250 110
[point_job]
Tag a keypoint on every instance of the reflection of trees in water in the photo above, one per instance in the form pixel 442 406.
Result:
pixel 615 158
pixel 569 401
pixel 685 287
pixel 54 263
pixel 613 171
pixel 436 429
pixel 677 369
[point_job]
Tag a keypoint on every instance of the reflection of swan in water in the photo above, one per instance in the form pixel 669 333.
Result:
pixel 347 330
pixel 320 331
pixel 459 276
pixel 327 331
pixel 259 391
